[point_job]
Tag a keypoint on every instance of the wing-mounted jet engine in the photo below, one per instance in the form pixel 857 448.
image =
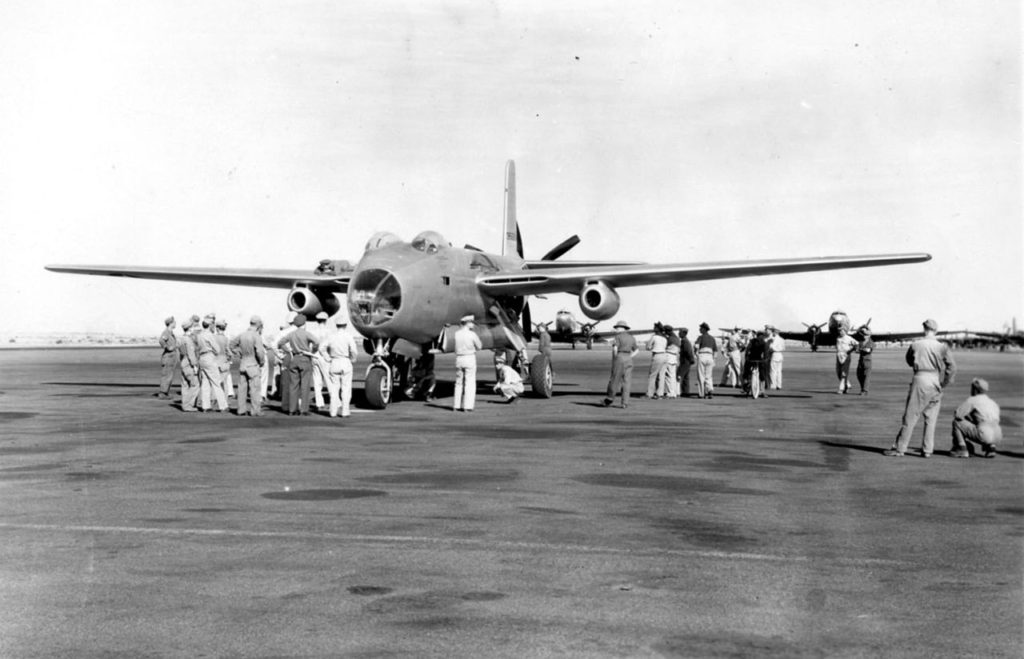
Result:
pixel 599 301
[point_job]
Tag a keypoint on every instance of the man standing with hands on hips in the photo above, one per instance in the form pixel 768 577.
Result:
pixel 466 345
pixel 934 370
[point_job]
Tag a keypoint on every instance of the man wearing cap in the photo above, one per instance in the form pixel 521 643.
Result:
pixel 754 366
pixel 659 362
pixel 252 355
pixel 189 367
pixel 706 347
pixel 169 358
pixel 510 383
pixel 624 347
pixel 302 345
pixel 224 358
pixel 686 360
pixel 210 377
pixel 339 352
pixel 845 346
pixel 977 421
pixel 670 383
pixel 320 375
pixel 864 349
pixel 776 346
pixel 466 345
pixel 934 370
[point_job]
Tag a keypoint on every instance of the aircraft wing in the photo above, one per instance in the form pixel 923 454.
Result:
pixel 824 338
pixel 567 278
pixel 337 283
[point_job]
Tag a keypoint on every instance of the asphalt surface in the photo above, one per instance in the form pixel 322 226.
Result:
pixel 674 528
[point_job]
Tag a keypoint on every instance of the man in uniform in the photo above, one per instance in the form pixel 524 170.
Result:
pixel 252 356
pixel 934 370
pixel 320 375
pixel 845 346
pixel 302 345
pixel 510 383
pixel 864 349
pixel 169 358
pixel 754 366
pixel 339 352
pixel 624 347
pixel 977 421
pixel 224 358
pixel 733 349
pixel 776 346
pixel 686 360
pixel 659 362
pixel 189 367
pixel 706 347
pixel 209 369
pixel 466 345
pixel 670 383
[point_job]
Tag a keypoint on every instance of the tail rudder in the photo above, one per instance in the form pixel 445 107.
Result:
pixel 512 242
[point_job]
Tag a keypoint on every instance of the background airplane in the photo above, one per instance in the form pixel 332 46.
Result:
pixel 406 297
pixel 815 337
pixel 567 329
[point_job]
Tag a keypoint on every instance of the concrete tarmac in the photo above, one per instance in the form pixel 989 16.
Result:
pixel 675 528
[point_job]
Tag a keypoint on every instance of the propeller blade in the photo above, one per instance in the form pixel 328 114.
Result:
pixel 561 248
pixel 519 242
pixel 527 325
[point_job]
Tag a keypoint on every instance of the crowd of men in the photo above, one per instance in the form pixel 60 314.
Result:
pixel 306 358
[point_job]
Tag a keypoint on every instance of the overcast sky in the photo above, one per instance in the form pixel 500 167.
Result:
pixel 271 134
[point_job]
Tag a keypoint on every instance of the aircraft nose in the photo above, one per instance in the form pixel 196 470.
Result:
pixel 374 297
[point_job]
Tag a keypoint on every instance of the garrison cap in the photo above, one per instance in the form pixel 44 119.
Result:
pixel 866 331
pixel 195 318
pixel 499 359
pixel 621 325
pixel 221 323
pixel 299 320
pixel 980 385
pixel 467 319
pixel 705 326
pixel 667 328
pixel 684 330
pixel 321 315
pixel 340 322
pixel 187 324
pixel 168 320
pixel 930 325
pixel 255 320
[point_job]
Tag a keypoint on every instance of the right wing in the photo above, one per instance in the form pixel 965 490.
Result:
pixel 571 278
pixel 336 283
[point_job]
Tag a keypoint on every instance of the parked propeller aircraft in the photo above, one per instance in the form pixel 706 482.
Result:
pixel 406 298
pixel 569 330
pixel 838 319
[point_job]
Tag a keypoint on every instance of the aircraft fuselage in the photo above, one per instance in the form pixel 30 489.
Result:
pixel 411 291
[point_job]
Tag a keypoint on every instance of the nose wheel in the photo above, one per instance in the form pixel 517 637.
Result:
pixel 378 387
pixel 541 377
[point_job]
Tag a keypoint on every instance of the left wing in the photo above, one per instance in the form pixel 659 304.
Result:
pixel 570 278
pixel 336 283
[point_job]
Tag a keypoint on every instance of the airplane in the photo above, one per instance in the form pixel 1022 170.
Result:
pixel 569 330
pixel 406 298
pixel 814 335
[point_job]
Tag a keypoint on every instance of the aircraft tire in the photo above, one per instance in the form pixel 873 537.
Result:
pixel 378 388
pixel 542 378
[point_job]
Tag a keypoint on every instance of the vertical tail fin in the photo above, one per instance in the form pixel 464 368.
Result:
pixel 512 242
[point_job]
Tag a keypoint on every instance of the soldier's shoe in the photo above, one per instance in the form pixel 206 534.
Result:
pixel 607 402
pixel 926 455
pixel 892 453
pixel 989 452
pixel 962 453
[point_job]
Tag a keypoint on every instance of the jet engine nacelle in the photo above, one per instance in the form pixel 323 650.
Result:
pixel 599 301
pixel 310 302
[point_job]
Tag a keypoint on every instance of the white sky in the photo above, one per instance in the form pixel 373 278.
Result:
pixel 268 134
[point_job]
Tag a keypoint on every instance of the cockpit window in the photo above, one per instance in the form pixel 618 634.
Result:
pixel 381 239
pixel 429 242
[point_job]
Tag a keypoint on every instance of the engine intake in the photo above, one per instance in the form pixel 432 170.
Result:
pixel 599 301
pixel 310 301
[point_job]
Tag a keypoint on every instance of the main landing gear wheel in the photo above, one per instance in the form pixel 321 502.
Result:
pixel 378 388
pixel 541 377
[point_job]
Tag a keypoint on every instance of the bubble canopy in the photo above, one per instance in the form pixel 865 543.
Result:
pixel 429 242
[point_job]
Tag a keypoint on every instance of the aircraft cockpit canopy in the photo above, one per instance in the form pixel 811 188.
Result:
pixel 429 242
pixel 381 239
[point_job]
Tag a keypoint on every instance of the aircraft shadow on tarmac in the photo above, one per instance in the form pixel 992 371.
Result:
pixel 131 385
